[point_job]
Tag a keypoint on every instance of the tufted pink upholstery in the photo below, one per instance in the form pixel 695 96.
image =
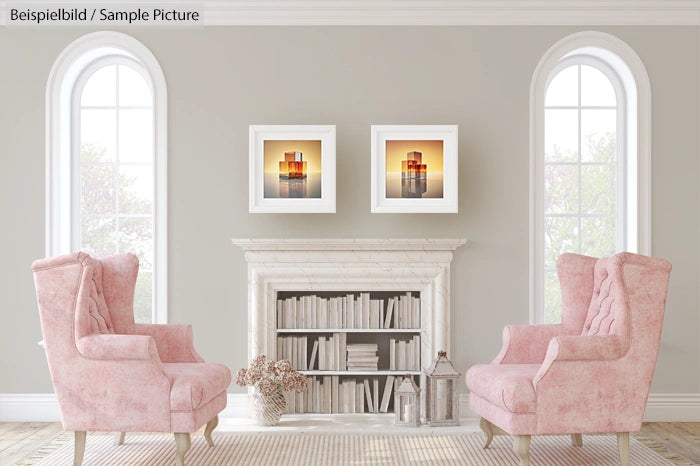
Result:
pixel 110 374
pixel 592 372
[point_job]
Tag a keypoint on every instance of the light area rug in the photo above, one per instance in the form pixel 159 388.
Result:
pixel 318 449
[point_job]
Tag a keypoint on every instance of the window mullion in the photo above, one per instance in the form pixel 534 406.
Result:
pixel 117 223
pixel 580 220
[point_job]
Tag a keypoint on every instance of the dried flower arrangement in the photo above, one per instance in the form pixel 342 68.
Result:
pixel 270 376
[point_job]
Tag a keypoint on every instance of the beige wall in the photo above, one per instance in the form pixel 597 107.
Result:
pixel 220 80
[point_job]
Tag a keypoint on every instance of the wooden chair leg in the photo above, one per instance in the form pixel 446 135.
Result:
pixel 79 447
pixel 486 428
pixel 119 438
pixel 182 444
pixel 211 425
pixel 577 440
pixel 623 446
pixel 521 445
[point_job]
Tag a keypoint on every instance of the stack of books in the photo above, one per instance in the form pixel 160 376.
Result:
pixel 362 356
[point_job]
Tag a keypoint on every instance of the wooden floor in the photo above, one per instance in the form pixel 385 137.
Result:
pixel 19 439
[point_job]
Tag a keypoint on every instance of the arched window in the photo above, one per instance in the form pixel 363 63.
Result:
pixel 106 159
pixel 590 104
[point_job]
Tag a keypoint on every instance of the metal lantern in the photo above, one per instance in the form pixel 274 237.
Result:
pixel 407 403
pixel 443 403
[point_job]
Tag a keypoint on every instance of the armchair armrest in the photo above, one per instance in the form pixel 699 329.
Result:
pixel 585 347
pixel 118 347
pixel 175 342
pixel 585 352
pixel 526 344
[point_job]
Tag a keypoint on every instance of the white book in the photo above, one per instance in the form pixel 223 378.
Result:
pixel 300 312
pixel 314 350
pixel 389 313
pixel 280 348
pixel 388 389
pixel 350 311
pixel 399 312
pixel 401 356
pixel 327 394
pixel 358 313
pixel 336 351
pixel 365 310
pixel 318 396
pixel 374 313
pixel 295 351
pixel 304 353
pixel 409 314
pixel 416 353
pixel 343 352
pixel 322 354
pixel 334 394
pixel 392 354
pixel 360 399
pixel 416 313
pixel 375 393
pixel 352 403
pixel 409 355
pixel 330 357
pixel 280 313
pixel 381 313
pixel 343 312
pixel 314 312
pixel 308 316
pixel 368 396
pixel 331 314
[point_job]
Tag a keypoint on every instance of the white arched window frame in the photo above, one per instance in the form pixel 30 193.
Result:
pixel 628 76
pixel 66 79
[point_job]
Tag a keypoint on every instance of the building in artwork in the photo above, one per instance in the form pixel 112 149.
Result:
pixel 413 167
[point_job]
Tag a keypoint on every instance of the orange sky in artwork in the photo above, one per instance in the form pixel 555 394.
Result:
pixel 432 154
pixel 274 153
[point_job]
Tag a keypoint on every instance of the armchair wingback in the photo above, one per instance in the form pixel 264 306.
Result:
pixel 111 374
pixel 592 372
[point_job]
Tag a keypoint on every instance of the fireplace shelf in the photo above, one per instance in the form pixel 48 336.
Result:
pixel 328 268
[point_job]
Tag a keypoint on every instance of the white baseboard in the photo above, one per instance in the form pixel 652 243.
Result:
pixel 42 407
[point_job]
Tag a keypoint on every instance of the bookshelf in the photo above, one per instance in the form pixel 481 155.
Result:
pixel 352 346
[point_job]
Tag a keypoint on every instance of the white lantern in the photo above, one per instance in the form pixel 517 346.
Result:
pixel 443 402
pixel 407 403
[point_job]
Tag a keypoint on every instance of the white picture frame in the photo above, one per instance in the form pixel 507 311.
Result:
pixel 411 195
pixel 269 192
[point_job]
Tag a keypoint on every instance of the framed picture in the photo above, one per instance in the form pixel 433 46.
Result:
pixel 414 168
pixel 292 168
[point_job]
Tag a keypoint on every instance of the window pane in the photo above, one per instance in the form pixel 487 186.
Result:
pixel 135 236
pixel 135 189
pixel 136 136
pixel 552 298
pixel 598 135
pixel 596 88
pixel 98 236
pixel 560 135
pixel 563 88
pixel 101 88
pixel 598 236
pixel 98 128
pixel 96 188
pixel 560 236
pixel 561 189
pixel 143 295
pixel 598 189
pixel 133 89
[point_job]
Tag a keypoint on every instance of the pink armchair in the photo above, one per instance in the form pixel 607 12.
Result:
pixel 592 372
pixel 110 374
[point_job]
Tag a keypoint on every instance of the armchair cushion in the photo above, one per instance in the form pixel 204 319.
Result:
pixel 508 386
pixel 195 384
pixel 174 341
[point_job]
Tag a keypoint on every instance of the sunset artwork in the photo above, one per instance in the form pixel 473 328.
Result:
pixel 292 169
pixel 414 169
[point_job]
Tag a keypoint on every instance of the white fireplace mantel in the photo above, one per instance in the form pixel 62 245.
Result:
pixel 349 265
